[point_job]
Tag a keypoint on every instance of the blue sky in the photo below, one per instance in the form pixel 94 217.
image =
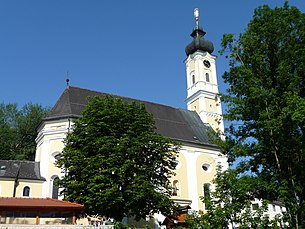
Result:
pixel 131 48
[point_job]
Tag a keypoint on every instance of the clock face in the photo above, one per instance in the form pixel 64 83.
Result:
pixel 207 63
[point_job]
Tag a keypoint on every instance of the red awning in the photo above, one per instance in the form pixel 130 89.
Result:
pixel 16 202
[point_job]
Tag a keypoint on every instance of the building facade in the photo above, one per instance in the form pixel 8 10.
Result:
pixel 197 160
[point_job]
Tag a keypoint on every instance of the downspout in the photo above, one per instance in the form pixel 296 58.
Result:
pixel 16 183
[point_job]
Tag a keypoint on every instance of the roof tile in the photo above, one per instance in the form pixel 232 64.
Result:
pixel 20 169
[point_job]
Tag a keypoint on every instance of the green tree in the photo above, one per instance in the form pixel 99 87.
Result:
pixel 231 204
pixel 266 105
pixel 18 130
pixel 115 162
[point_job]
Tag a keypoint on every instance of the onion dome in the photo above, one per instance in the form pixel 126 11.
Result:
pixel 198 43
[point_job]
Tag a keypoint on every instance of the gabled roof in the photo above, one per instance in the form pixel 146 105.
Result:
pixel 16 202
pixel 13 169
pixel 178 124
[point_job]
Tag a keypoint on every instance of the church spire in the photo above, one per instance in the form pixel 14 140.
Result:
pixel 198 43
pixel 196 16
pixel 202 86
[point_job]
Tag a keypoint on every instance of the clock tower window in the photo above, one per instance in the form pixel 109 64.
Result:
pixel 207 77
pixel 193 79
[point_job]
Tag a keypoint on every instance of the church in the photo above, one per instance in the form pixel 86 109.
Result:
pixel 197 160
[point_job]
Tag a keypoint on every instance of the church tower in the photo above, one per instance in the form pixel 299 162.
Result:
pixel 202 86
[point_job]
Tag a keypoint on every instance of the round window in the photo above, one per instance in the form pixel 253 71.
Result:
pixel 206 167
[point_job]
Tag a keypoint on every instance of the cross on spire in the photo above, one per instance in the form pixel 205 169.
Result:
pixel 196 16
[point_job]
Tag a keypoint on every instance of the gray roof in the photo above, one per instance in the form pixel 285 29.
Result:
pixel 28 170
pixel 178 124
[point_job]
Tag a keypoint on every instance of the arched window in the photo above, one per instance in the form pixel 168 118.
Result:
pixel 26 191
pixel 207 195
pixel 207 77
pixel 175 188
pixel 55 188
pixel 193 79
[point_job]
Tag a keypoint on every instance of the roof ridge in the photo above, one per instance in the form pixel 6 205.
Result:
pixel 69 102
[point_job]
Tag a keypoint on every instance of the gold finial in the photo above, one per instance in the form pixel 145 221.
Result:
pixel 196 15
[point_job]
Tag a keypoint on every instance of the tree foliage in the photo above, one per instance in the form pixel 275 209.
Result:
pixel 115 162
pixel 231 205
pixel 266 104
pixel 18 130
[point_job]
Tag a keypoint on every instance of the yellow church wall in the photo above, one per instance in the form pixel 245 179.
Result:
pixel 53 171
pixel 191 72
pixel 35 188
pixel 56 147
pixel 191 176
pixel 191 65
pixel 204 176
pixel 181 176
pixel 210 105
pixel 213 122
pixel 7 188
pixel 194 106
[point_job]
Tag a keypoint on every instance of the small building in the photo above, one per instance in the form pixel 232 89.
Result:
pixel 15 210
pixel 20 178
